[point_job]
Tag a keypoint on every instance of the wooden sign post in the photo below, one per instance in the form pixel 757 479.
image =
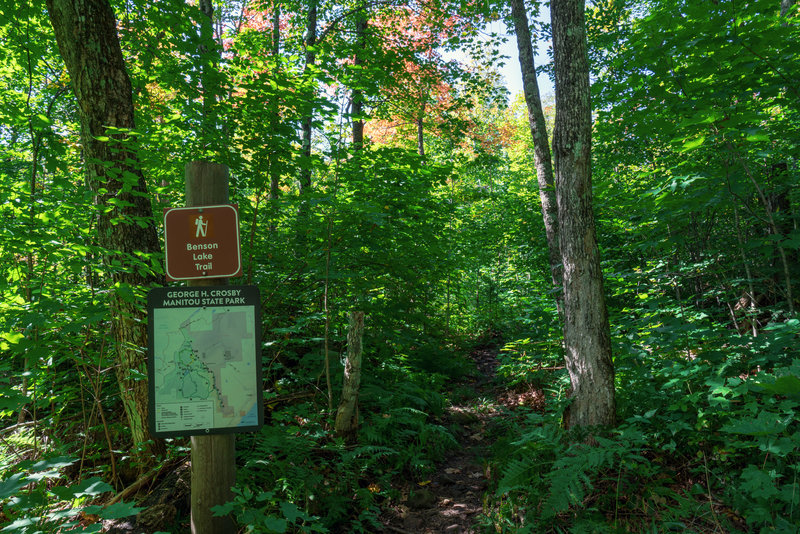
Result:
pixel 213 456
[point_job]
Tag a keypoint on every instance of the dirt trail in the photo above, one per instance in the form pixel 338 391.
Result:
pixel 452 501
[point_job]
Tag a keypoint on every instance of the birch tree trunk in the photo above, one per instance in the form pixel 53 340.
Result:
pixel 541 145
pixel 86 33
pixel 587 339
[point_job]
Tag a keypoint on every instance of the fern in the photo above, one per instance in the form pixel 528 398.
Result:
pixel 567 487
pixel 571 476
pixel 437 440
pixel 371 452
pixel 517 474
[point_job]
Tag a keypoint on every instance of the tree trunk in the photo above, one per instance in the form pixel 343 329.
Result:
pixel 86 33
pixel 357 108
pixel 347 413
pixel 208 74
pixel 421 134
pixel 308 120
pixel 587 340
pixel 749 301
pixel 541 145
pixel 274 118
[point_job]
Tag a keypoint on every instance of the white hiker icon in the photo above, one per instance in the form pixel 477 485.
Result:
pixel 202 226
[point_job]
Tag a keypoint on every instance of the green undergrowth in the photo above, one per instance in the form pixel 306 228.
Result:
pixel 296 476
pixel 39 498
pixel 707 438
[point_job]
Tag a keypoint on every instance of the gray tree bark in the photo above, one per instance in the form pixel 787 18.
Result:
pixel 541 145
pixel 587 339
pixel 347 413
pixel 86 33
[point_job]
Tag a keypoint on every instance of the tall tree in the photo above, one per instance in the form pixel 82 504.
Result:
pixel 587 339
pixel 346 422
pixel 274 104
pixel 541 145
pixel 86 32
pixel 310 43
pixel 357 100
pixel 209 89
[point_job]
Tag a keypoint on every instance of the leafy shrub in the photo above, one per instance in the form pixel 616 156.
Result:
pixel 34 503
pixel 264 513
pixel 708 440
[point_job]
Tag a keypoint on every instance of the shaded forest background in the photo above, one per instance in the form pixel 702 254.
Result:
pixel 432 226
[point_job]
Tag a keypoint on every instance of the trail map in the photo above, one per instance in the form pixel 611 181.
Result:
pixel 204 366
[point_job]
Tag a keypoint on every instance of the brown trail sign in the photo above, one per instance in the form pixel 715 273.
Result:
pixel 202 242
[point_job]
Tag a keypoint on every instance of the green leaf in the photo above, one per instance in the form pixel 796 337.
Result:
pixel 693 144
pixel 764 424
pixel 53 463
pixel 275 524
pixel 12 337
pixel 30 500
pixel 782 385
pixel 90 487
pixel 11 485
pixel 758 483
pixel 756 135
pixel 12 403
pixel 222 509
pixel 782 446
pixel 119 510
pixel 20 525
pixel 44 119
pixel 290 511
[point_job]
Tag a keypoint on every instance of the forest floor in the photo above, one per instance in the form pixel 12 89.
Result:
pixel 452 500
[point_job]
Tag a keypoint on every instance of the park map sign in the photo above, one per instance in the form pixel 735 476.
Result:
pixel 203 363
